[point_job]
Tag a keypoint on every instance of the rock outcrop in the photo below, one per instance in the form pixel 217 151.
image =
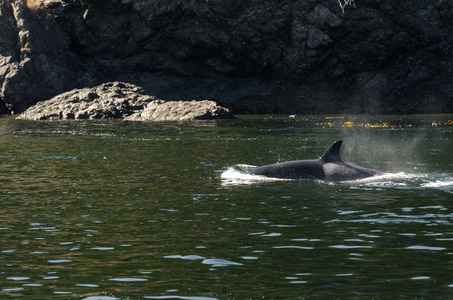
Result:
pixel 111 100
pixel 160 110
pixel 253 56
pixel 118 100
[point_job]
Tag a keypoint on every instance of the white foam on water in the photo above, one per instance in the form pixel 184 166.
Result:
pixel 235 175
pixel 445 184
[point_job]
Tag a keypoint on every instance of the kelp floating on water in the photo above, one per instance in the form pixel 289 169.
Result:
pixel 385 124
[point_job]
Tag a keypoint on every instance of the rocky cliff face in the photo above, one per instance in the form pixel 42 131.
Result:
pixel 252 55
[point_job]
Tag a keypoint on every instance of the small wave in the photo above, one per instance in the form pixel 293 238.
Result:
pixel 100 298
pixel 180 297
pixel 58 157
pixel 387 176
pixel 236 175
pixel 128 279
pixel 217 262
pixel 403 180
pixel 442 184
pixel 446 184
pixel 429 248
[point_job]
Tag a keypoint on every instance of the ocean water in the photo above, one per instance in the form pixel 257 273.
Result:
pixel 122 210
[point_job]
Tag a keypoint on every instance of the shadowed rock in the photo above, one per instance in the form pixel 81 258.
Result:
pixel 254 56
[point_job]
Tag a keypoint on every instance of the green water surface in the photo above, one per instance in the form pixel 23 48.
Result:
pixel 120 210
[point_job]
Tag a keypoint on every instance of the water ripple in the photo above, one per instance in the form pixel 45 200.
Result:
pixel 217 262
pixel 442 182
pixel 425 248
pixel 391 217
pixel 12 289
pixel 179 297
pixel 59 261
pixel 100 298
pixel 128 279
pixel 349 247
pixel 18 278
pixel 103 248
pixel 293 247
pixel 420 278
pixel 188 257
pixel 87 285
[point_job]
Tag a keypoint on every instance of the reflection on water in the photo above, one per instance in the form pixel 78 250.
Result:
pixel 113 210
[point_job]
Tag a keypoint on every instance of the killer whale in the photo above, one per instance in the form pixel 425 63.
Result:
pixel 329 167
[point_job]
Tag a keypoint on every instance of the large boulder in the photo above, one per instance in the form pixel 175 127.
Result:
pixel 118 100
pixel 111 100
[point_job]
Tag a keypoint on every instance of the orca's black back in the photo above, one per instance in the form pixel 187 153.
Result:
pixel 298 169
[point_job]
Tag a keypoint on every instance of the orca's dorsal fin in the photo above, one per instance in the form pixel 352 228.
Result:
pixel 333 153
